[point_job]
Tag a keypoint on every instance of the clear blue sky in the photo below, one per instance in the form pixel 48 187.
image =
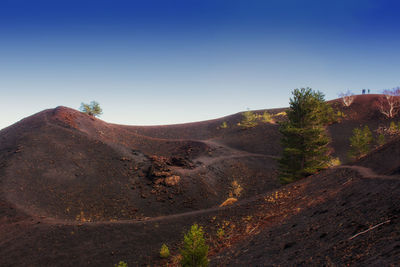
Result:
pixel 170 61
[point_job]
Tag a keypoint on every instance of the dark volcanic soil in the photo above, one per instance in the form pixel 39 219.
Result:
pixel 64 164
pixel 78 191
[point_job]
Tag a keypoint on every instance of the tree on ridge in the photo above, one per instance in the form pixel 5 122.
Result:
pixel 92 109
pixel 304 138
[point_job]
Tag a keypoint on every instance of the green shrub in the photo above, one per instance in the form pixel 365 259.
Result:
pixel 360 142
pixel 249 119
pixel 393 127
pixel 335 162
pixel 381 140
pixel 224 125
pixel 164 251
pixel 340 115
pixel 121 264
pixel 220 233
pixel 266 117
pixel 194 251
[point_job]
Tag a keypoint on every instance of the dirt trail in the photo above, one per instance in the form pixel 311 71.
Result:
pixel 220 152
pixel 150 219
pixel 366 173
pixel 233 151
pixel 369 173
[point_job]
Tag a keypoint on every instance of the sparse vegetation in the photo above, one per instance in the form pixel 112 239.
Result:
pixel 236 189
pixel 224 125
pixel 266 117
pixel 121 264
pixel 347 98
pixel 360 142
pixel 164 251
pixel 393 127
pixel 334 162
pixel 340 114
pixel 92 109
pixel 249 119
pixel 304 138
pixel 194 251
pixel 381 140
pixel 220 233
pixel 283 113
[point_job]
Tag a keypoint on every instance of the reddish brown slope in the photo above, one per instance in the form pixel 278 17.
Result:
pixel 61 159
pixel 363 111
pixel 306 223
pixel 64 164
pixel 385 159
pixel 312 222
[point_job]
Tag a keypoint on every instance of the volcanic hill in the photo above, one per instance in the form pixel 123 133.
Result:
pixel 75 190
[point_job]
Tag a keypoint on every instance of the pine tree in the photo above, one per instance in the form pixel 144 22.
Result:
pixel 304 137
pixel 194 251
pixel 360 142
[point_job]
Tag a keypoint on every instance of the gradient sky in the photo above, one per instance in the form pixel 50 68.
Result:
pixel 171 61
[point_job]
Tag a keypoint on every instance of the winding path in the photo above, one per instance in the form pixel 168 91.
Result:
pixel 223 152
pixel 366 173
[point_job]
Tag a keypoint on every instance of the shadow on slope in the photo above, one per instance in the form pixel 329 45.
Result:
pixel 64 164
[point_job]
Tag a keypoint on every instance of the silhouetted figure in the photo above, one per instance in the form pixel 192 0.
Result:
pixel 369 91
pixel 363 91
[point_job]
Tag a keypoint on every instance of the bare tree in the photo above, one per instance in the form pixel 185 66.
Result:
pixel 389 103
pixel 347 98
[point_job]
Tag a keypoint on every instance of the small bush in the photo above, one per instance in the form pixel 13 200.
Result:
pixel 224 125
pixel 334 162
pixel 194 251
pixel 236 189
pixel 164 251
pixel 220 233
pixel 381 140
pixel 249 119
pixel 266 117
pixel 283 113
pixel 340 114
pixel 360 142
pixel 393 127
pixel 121 264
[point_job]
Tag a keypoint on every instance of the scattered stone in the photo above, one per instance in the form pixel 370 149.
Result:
pixel 172 180
pixel 159 181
